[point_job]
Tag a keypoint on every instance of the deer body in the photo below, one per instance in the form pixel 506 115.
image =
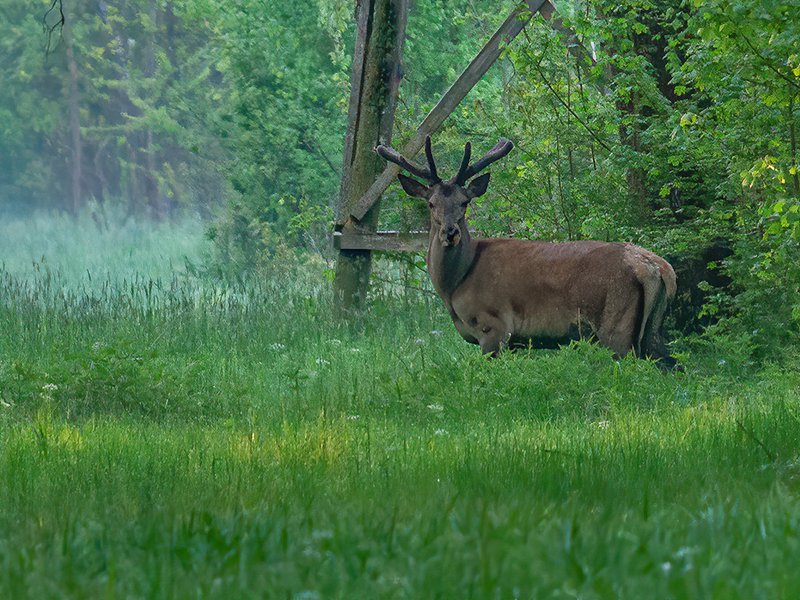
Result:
pixel 511 292
pixel 516 292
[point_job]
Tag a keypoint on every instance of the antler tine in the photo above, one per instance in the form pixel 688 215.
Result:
pixel 393 156
pixel 502 148
pixel 431 164
pixel 460 178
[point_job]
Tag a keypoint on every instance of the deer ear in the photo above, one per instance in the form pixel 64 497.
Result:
pixel 413 187
pixel 477 187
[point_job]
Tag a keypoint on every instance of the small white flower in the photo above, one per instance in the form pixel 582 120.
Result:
pixel 322 362
pixel 440 432
pixel 666 567
pixel 436 332
pixel 353 417
pixel 321 534
pixel 419 342
pixel 355 350
pixel 722 362
pixel 435 407
pixel 335 342
pixel 49 388
pixel 97 346
pixel 277 346
pixel 603 424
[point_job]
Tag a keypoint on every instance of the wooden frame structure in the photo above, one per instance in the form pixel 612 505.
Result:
pixel 378 50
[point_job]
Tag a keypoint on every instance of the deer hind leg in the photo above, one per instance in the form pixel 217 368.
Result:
pixel 620 327
pixel 653 345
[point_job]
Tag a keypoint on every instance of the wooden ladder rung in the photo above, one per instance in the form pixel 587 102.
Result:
pixel 387 241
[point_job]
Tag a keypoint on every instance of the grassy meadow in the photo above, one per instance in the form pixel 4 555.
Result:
pixel 165 435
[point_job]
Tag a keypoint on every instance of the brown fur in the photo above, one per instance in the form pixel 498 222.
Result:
pixel 502 292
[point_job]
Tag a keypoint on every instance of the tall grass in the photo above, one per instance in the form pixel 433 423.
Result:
pixel 169 436
pixel 84 250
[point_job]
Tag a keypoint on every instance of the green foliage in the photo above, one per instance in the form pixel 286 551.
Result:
pixel 152 130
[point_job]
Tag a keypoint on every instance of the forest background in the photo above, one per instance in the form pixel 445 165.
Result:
pixel 682 137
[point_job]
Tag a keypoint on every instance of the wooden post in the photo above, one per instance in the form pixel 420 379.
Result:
pixel 373 97
pixel 487 56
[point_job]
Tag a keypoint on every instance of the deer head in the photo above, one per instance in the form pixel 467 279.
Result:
pixel 447 200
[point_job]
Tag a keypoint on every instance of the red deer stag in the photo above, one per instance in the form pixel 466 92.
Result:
pixel 511 292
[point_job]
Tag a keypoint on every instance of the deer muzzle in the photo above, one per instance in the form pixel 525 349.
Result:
pixel 450 236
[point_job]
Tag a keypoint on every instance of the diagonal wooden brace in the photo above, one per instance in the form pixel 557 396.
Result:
pixel 487 56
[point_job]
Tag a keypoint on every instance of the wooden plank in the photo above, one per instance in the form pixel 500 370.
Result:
pixel 356 79
pixel 487 56
pixel 396 62
pixel 387 241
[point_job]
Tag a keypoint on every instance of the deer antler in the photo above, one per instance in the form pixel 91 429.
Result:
pixel 460 178
pixel 465 172
pixel 502 148
pixel 430 175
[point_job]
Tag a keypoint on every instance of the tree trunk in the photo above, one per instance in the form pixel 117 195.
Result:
pixel 76 169
pixel 151 187
pixel 374 85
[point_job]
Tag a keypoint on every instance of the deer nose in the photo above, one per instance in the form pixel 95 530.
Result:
pixel 451 232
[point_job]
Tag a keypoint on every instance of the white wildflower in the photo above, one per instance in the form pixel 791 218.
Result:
pixel 355 350
pixel 49 388
pixel 419 342
pixel 666 567
pixel 321 535
pixel 322 362
pixel 435 407
pixel 440 432
pixel 603 424
pixel 353 417
pixel 277 346
pixel 436 332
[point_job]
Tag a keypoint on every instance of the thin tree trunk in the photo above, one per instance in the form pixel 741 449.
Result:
pixel 76 169
pixel 150 179
pixel 793 145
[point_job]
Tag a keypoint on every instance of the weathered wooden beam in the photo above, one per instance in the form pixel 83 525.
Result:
pixel 387 241
pixel 487 56
pixel 356 80
pixel 375 80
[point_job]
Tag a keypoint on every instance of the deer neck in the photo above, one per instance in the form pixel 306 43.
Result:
pixel 449 265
